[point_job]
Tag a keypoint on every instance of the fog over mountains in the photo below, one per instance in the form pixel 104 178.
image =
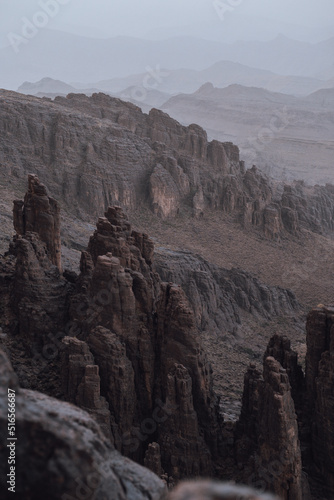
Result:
pixel 289 137
pixel 81 59
pixel 169 343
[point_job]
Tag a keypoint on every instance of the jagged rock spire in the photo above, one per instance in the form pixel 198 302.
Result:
pixel 39 213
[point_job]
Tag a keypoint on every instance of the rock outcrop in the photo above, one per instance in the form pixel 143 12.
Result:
pixel 131 357
pixel 267 433
pixel 218 296
pixel 319 383
pixel 40 214
pixel 60 452
pixel 100 151
pixel 142 336
pixel 39 293
pixel 280 348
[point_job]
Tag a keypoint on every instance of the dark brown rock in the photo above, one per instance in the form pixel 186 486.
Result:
pixel 280 348
pixel 152 459
pixel 268 433
pixel 319 383
pixel 218 296
pixel 180 437
pixel 117 379
pixel 138 330
pixel 81 382
pixel 61 452
pixel 39 295
pixel 40 214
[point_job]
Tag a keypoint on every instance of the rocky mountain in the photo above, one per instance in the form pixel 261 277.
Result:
pixel 75 58
pixel 323 97
pixel 155 87
pixel 125 347
pixel 87 464
pixel 145 98
pixel 139 159
pixel 47 86
pixel 220 74
pixel 218 295
pixel 290 137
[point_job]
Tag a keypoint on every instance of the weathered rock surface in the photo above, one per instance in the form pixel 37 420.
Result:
pixel 152 459
pixel 60 452
pixel 97 151
pixel 217 295
pixel 81 382
pixel 131 356
pixel 39 293
pixel 267 433
pixel 40 214
pixel 280 348
pixel 320 382
pixel 142 335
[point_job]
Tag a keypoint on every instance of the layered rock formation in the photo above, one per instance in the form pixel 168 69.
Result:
pixel 267 433
pixel 40 214
pixel 280 348
pixel 131 357
pixel 319 383
pixel 39 294
pixel 60 452
pixel 310 395
pixel 139 344
pixel 99 151
pixel 218 296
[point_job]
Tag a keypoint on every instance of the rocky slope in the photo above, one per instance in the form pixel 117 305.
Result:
pixel 96 151
pixel 136 361
pixel 129 353
pixel 60 452
pixel 218 296
pixel 236 315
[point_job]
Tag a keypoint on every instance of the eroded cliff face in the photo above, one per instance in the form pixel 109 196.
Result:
pixel 267 432
pixel 141 335
pixel 129 354
pixel 40 214
pixel 319 383
pixel 219 296
pixel 100 151
pixel 61 452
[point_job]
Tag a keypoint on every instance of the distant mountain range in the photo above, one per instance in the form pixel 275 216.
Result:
pixel 287 136
pixel 155 88
pixel 74 58
pixel 220 74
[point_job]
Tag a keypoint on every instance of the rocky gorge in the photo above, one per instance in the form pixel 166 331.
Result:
pixel 123 343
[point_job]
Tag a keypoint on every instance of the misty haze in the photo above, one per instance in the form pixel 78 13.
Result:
pixel 166 252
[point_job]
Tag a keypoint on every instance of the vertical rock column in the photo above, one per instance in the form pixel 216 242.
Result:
pixel 267 441
pixel 320 391
pixel 40 214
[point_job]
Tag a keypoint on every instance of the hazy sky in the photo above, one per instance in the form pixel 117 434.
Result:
pixel 154 17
